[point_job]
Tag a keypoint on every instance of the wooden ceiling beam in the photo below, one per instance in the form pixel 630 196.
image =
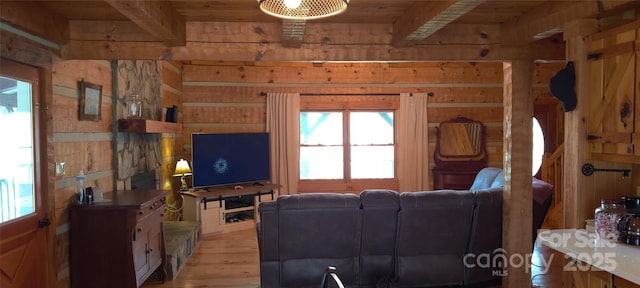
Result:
pixel 99 30
pixel 476 34
pixel 259 51
pixel 427 17
pixel 158 18
pixel 549 18
pixel 293 33
pixel 378 34
pixel 259 41
pixel 31 18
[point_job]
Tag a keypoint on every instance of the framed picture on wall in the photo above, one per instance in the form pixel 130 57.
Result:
pixel 90 101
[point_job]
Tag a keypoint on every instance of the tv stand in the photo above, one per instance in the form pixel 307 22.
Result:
pixel 225 208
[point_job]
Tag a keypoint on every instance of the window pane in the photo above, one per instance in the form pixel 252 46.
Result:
pixel 538 147
pixel 16 173
pixel 371 128
pixel 321 128
pixel 321 162
pixel 372 162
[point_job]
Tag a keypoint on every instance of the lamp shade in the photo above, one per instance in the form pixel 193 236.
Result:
pixel 182 168
pixel 303 9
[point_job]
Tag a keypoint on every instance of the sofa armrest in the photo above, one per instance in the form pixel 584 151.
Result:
pixel 542 197
pixel 267 229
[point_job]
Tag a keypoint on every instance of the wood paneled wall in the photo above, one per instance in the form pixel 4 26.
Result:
pixel 88 145
pixel 81 145
pixel 171 94
pixel 225 96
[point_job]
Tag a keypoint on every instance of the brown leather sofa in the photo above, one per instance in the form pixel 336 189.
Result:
pixel 414 239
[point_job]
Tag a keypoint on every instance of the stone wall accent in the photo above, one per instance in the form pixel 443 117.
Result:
pixel 138 153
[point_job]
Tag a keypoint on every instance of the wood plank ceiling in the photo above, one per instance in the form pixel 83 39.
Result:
pixel 370 30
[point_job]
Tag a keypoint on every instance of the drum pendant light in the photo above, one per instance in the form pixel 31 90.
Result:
pixel 303 9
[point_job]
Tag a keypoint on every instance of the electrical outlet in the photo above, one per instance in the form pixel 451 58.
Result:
pixel 60 169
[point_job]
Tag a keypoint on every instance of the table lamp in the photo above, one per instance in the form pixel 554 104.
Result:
pixel 182 169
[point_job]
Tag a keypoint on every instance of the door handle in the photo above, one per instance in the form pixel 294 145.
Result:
pixel 44 222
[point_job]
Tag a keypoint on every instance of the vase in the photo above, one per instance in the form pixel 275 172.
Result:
pixel 134 106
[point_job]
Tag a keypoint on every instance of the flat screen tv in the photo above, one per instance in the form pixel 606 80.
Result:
pixel 229 158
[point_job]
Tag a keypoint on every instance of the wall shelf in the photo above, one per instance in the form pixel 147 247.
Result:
pixel 148 126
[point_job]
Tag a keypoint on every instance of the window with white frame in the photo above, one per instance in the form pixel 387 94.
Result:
pixel 347 145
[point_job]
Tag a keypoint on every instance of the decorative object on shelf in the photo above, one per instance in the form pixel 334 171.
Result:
pixel 303 9
pixel 588 169
pixel 134 106
pixel 80 195
pixel 182 170
pixel 606 219
pixel 629 224
pixel 90 101
pixel 172 114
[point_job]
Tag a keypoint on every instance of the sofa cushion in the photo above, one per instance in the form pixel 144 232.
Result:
pixel 379 225
pixel 315 231
pixel 433 231
pixel 380 198
pixel 486 237
pixel 318 201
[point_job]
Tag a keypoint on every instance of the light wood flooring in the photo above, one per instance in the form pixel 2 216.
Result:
pixel 224 260
pixel 231 260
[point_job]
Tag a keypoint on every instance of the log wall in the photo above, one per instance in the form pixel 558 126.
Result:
pixel 171 94
pixel 81 145
pixel 89 145
pixel 225 96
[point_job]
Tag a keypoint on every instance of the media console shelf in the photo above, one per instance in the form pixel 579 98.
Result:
pixel 225 209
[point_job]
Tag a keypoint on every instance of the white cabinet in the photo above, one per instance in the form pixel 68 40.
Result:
pixel 226 209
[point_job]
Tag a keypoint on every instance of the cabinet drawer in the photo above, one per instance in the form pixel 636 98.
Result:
pixel 150 208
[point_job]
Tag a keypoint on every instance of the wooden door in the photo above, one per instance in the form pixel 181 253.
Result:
pixel 23 225
pixel 612 125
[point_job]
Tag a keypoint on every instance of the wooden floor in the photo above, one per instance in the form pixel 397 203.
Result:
pixel 546 277
pixel 225 260
pixel 231 260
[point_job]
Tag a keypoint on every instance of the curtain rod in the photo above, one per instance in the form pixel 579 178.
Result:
pixel 342 94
